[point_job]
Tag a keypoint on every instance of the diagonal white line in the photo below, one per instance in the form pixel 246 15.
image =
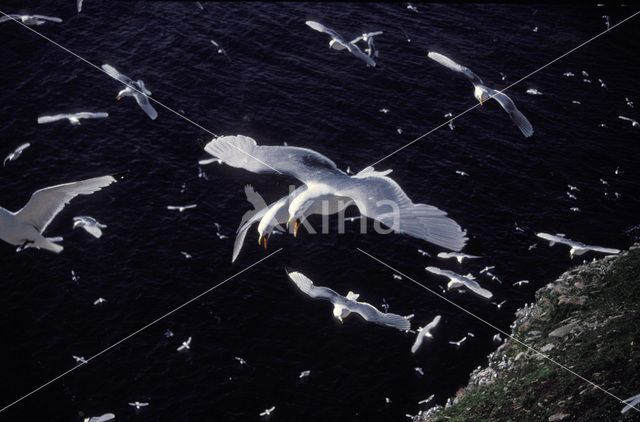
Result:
pixel 495 328
pixel 504 89
pixel 135 89
pixel 139 330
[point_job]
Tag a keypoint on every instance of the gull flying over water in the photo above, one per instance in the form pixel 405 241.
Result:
pixel 458 256
pixel 484 93
pixel 577 248
pixel 134 89
pixel 25 227
pixel 343 306
pixel 102 418
pixel 376 195
pixel 185 345
pixel 631 402
pixel 73 118
pixel 90 224
pixel 181 208
pixel 458 280
pixel 267 412
pixel 633 122
pixel 425 331
pixel 339 43
pixel 31 19
pixel 138 404
pixel 16 153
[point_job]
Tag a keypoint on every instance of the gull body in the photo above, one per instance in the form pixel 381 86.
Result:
pixel 376 195
pixel 134 89
pixel 90 224
pixel 344 306
pixel 339 43
pixel 577 248
pixel 74 118
pixel 31 20
pixel 425 332
pixel 25 227
pixel 483 93
pixel 457 255
pixel 16 153
pixel 368 38
pixel 102 418
pixel 458 280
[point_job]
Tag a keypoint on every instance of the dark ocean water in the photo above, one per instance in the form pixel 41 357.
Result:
pixel 283 84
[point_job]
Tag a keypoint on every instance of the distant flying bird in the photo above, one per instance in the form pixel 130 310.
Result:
pixel 134 89
pixel 181 208
pixel 459 342
pixel 79 359
pixel 185 345
pixel 484 93
pixel 138 404
pixel 220 49
pixel 304 374
pixel 103 418
pixel 339 43
pixel 90 224
pixel 343 306
pixel 267 412
pixel 30 19
pixel 521 283
pixel 457 255
pixel 425 332
pixel 241 361
pixel 368 38
pixel 99 300
pixel 634 123
pixel 16 153
pixel 25 227
pixel 631 402
pixel 577 248
pixel 412 7
pixel 73 118
pixel 458 280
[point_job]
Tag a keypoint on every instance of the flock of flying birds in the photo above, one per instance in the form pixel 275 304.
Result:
pixel 325 190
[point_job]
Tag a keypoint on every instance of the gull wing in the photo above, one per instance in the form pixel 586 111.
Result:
pixel 47 18
pixel 317 292
pixel 355 50
pixel 48 119
pixel 333 34
pixel 9 18
pixel 104 418
pixel 46 203
pixel 79 4
pixel 603 250
pixel 143 88
pixel 555 239
pixel 143 102
pixel 22 147
pixel 626 118
pixel 88 115
pixel 381 198
pixel 111 71
pixel 447 62
pixel 630 403
pixel 302 163
pixel 516 116
pixel 372 314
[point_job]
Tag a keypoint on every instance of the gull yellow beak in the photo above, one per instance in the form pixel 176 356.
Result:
pixel 341 321
pixel 295 228
pixel 480 100
pixel 259 240
pixel 118 97
pixel 265 243
pixel 289 221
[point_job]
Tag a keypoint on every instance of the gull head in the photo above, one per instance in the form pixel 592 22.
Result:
pixel 74 120
pixel 266 225
pixel 123 93
pixel 298 208
pixel 481 94
pixel 340 312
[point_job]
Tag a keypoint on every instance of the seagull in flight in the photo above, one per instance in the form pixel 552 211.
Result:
pixel 16 153
pixel 25 227
pixel 80 359
pixel 458 256
pixel 73 118
pixel 484 93
pixel 267 412
pixel 343 306
pixel 376 195
pixel 138 404
pixel 339 43
pixel 181 208
pixel 90 224
pixel 634 123
pixel 577 248
pixel 134 89
pixel 185 345
pixel 31 20
pixel 458 280
pixel 425 332
pixel 459 342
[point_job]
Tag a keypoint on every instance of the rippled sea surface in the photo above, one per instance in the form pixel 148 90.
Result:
pixel 281 83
